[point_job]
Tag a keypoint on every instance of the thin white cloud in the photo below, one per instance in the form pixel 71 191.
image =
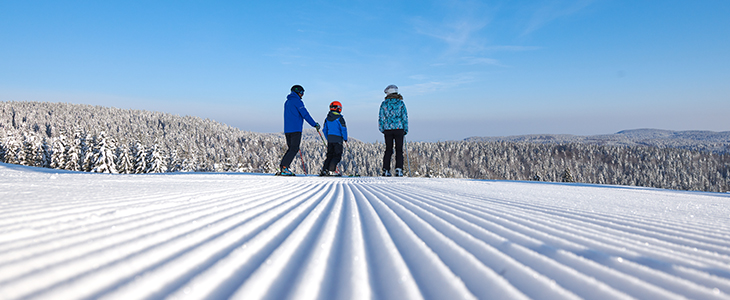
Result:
pixel 462 30
pixel 508 48
pixel 439 85
pixel 549 11
pixel 481 61
pixel 459 28
pixel 457 35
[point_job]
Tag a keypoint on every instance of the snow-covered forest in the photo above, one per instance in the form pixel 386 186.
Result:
pixel 706 141
pixel 111 140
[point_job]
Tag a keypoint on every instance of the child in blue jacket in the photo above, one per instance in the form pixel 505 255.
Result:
pixel 336 131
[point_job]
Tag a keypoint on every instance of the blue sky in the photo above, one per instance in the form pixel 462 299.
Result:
pixel 465 68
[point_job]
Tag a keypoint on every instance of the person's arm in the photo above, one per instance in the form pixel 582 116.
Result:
pixel 325 130
pixel 381 119
pixel 344 128
pixel 305 114
pixel 405 119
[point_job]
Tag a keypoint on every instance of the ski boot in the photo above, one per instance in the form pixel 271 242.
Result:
pixel 398 172
pixel 284 172
pixel 385 173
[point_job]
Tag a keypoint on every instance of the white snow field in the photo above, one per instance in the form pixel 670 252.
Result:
pixel 68 235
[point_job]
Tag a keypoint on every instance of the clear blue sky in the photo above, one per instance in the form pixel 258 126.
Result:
pixel 465 68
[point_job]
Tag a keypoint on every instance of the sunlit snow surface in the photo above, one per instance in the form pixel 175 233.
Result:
pixel 70 235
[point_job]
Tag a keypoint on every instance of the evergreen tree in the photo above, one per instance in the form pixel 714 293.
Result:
pixel 140 159
pixel 73 153
pixel 125 163
pixel 12 147
pixel 3 150
pixel 58 156
pixel 47 153
pixel 105 160
pixel 25 151
pixel 175 164
pixel 89 152
pixel 157 162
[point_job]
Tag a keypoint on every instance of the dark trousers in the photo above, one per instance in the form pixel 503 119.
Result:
pixel 394 136
pixel 293 139
pixel 334 156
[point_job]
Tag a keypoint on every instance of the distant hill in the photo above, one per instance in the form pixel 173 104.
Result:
pixel 717 142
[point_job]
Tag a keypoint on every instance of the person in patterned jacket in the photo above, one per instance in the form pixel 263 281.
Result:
pixel 393 123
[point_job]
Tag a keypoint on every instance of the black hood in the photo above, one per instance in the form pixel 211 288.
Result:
pixel 333 115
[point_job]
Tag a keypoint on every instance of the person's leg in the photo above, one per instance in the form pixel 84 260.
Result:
pixel 328 158
pixel 398 138
pixel 293 139
pixel 388 149
pixel 336 155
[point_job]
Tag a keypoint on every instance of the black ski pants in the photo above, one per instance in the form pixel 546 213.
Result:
pixel 293 139
pixel 334 156
pixel 392 137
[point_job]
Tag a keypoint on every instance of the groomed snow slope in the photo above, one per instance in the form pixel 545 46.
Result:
pixel 91 236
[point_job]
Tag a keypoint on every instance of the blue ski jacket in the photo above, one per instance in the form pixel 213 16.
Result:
pixel 335 128
pixel 295 113
pixel 393 114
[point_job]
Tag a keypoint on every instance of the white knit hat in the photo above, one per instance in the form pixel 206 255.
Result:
pixel 391 89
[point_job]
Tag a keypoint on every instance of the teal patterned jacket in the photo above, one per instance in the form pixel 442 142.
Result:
pixel 393 114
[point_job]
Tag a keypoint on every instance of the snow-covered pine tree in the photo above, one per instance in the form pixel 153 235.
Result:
pixel 140 158
pixel 89 151
pixel 125 162
pixel 25 152
pixel 73 152
pixel 12 146
pixel 105 160
pixel 47 152
pixel 58 156
pixel 2 149
pixel 156 160
pixel 175 165
pixel 567 177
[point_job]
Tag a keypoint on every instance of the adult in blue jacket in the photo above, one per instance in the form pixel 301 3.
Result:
pixel 294 115
pixel 335 129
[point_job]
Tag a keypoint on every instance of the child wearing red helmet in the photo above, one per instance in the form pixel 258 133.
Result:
pixel 335 130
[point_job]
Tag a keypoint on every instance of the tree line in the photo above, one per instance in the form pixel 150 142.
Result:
pixel 110 140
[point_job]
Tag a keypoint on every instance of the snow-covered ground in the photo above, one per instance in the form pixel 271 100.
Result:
pixel 66 235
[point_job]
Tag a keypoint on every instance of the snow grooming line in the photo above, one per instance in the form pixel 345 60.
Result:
pixel 218 236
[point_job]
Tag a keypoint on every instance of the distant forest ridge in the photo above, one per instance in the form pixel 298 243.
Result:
pixel 718 142
pixel 111 140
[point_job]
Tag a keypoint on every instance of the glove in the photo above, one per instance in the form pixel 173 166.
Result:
pixel 317 126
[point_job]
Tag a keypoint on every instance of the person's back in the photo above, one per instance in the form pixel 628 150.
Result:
pixel 335 128
pixel 393 113
pixel 295 114
pixel 393 123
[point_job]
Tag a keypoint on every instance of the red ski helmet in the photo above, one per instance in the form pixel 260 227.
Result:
pixel 336 106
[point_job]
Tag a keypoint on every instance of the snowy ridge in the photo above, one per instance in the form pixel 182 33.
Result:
pixel 711 141
pixel 67 235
